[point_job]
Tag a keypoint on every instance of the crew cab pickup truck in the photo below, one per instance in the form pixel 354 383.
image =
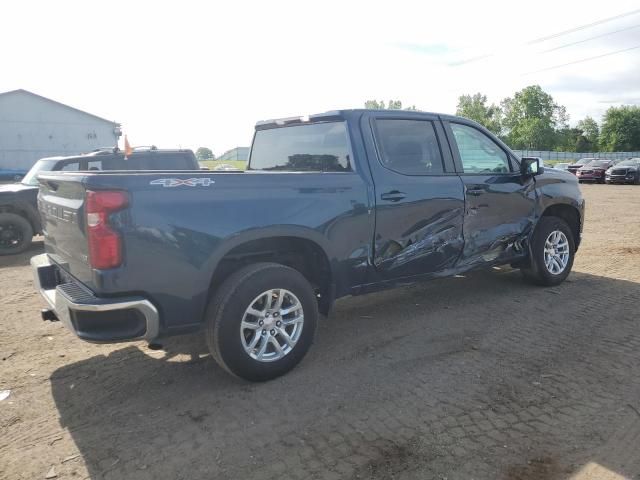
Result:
pixel 19 218
pixel 335 204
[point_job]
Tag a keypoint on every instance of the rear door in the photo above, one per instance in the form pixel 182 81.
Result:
pixel 419 197
pixel 500 203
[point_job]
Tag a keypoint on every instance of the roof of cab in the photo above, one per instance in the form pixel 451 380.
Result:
pixel 338 115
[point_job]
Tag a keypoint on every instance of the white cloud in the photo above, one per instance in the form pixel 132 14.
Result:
pixel 201 73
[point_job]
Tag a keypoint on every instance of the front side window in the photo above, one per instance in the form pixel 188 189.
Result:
pixel 317 147
pixel 409 147
pixel 478 153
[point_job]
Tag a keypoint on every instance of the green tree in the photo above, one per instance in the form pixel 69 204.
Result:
pixel 475 108
pixel 621 129
pixel 380 105
pixel 204 153
pixel 590 129
pixel 573 140
pixel 531 118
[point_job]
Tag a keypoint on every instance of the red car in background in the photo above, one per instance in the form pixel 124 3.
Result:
pixel 573 168
pixel 594 171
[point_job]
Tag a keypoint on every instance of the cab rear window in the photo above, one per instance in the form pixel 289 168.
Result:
pixel 317 147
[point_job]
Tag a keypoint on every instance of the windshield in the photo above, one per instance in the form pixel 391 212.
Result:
pixel 632 162
pixel 584 161
pixel 597 164
pixel 40 166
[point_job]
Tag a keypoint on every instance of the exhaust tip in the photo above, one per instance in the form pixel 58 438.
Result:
pixel 48 315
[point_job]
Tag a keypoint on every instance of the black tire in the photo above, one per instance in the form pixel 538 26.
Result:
pixel 537 271
pixel 16 234
pixel 226 310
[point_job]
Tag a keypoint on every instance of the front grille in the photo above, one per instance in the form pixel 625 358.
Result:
pixel 619 172
pixel 586 171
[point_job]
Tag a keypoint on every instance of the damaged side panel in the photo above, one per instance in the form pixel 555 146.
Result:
pixel 423 234
pixel 500 215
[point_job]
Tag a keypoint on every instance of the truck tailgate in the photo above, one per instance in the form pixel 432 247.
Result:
pixel 61 206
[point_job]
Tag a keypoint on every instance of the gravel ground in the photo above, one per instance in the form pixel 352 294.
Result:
pixel 479 377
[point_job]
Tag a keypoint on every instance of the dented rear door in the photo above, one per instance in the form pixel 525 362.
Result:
pixel 419 197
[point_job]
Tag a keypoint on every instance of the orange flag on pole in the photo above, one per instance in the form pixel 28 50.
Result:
pixel 127 148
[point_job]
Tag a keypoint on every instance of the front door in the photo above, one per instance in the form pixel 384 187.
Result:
pixel 419 197
pixel 500 202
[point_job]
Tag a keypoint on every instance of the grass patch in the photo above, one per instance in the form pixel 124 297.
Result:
pixel 212 164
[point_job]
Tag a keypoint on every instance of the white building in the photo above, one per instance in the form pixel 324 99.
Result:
pixel 33 127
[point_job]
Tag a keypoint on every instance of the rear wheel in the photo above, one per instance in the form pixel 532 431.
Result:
pixel 262 321
pixel 552 252
pixel 15 234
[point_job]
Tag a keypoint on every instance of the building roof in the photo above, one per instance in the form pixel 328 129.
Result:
pixel 22 91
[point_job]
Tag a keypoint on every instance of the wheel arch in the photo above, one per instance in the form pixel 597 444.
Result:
pixel 26 211
pixel 569 214
pixel 297 248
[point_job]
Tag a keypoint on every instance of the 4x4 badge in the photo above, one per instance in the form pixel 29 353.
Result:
pixel 187 182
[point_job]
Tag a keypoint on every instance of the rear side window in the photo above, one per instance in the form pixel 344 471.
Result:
pixel 145 161
pixel 409 147
pixel 163 162
pixel 317 147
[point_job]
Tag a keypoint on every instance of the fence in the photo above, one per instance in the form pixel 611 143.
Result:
pixel 571 156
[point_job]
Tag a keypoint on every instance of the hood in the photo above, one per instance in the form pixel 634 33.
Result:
pixel 565 175
pixel 629 168
pixel 8 188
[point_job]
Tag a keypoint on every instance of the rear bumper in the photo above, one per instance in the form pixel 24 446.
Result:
pixel 91 318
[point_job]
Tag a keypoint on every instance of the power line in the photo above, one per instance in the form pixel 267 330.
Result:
pixel 554 35
pixel 582 27
pixel 582 60
pixel 590 38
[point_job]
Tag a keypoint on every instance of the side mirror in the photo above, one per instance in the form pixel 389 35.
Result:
pixel 530 166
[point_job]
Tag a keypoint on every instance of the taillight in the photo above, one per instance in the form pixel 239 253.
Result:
pixel 105 245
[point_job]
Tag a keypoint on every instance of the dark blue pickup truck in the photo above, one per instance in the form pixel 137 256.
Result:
pixel 336 204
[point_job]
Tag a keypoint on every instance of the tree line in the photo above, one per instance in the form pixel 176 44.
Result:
pixel 532 120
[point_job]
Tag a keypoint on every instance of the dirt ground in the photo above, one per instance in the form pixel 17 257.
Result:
pixel 480 377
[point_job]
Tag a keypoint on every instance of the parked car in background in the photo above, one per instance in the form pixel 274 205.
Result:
pixel 626 171
pixel 19 218
pixel 594 171
pixel 335 204
pixel 8 175
pixel 225 167
pixel 573 168
pixel 562 166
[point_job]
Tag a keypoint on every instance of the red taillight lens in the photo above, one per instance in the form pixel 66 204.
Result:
pixel 105 246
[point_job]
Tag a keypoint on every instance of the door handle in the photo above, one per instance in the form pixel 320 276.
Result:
pixel 393 196
pixel 475 191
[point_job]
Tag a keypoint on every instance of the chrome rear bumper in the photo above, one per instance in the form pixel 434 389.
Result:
pixel 91 318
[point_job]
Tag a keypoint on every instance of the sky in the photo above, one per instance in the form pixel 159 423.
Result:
pixel 201 73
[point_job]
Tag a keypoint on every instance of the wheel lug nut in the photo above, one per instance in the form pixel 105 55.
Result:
pixel 261 323
pixel 273 332
pixel 266 314
pixel 275 314
pixel 264 332
pixel 278 323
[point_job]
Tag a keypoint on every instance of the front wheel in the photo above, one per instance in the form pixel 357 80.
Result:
pixel 15 234
pixel 262 321
pixel 552 251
